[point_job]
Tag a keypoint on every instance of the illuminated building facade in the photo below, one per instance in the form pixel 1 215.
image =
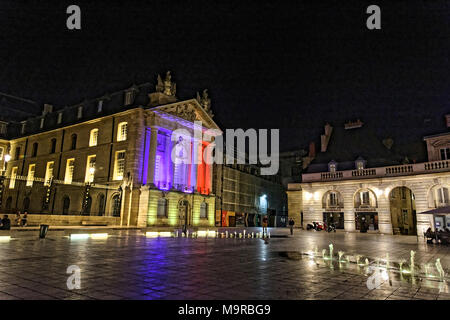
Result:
pixel 386 198
pixel 108 161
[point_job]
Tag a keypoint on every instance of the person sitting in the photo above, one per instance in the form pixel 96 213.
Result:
pixel 6 223
pixel 24 219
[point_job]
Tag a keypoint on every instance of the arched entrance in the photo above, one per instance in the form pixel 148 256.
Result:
pixel 403 211
pixel 183 213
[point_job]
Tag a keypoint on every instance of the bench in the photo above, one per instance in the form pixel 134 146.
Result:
pixel 93 224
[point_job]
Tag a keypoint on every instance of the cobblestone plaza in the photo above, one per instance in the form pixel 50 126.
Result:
pixel 128 265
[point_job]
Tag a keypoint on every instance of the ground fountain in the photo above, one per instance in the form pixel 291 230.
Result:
pixel 323 253
pixel 387 261
pixel 439 268
pixel 412 266
pixel 331 251
pixel 340 254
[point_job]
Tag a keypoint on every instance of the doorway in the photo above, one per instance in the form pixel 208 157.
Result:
pixel 368 220
pixel 183 213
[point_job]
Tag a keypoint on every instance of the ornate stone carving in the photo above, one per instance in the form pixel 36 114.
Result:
pixel 205 101
pixel 167 87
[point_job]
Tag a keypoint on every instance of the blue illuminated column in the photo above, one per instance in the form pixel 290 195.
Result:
pixel 152 156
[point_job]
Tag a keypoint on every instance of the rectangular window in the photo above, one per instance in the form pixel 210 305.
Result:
pixel 17 153
pixel 365 198
pixel 70 165
pixel 48 173
pixel 122 131
pixel 333 199
pixel 119 165
pixel 162 207
pixel 90 169
pixel 12 181
pixel 93 138
pixel 204 210
pixel 445 153
pixel 30 177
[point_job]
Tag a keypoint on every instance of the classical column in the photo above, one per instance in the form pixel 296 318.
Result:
pixel 152 156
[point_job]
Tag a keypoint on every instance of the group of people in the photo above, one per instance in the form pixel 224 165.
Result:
pixel 21 221
pixel 441 235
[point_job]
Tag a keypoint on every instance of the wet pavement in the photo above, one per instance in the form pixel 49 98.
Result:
pixel 128 265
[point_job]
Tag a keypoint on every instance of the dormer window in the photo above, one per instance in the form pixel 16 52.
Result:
pixel 445 153
pixel 360 163
pixel 80 112
pixel 332 166
pixel 129 97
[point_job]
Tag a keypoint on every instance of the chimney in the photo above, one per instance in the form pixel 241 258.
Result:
pixel 325 138
pixel 312 150
pixel 48 108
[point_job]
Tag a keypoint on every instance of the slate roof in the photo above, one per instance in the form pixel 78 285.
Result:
pixel 345 146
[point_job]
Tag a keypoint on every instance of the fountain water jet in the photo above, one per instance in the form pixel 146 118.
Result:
pixel 331 251
pixel 439 268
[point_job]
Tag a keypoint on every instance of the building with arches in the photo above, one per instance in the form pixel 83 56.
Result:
pixel 388 198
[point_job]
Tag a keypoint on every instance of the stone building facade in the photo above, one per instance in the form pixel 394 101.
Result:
pixel 386 199
pixel 108 160
pixel 243 196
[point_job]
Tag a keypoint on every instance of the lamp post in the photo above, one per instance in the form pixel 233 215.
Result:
pixel 6 158
pixel 86 203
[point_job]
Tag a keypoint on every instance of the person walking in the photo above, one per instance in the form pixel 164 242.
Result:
pixel 265 222
pixel 291 226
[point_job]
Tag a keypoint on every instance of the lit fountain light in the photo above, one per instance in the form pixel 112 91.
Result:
pixel 253 234
pixel 340 254
pixel 387 261
pixel 358 257
pixel 427 270
pixel 439 268
pixel 226 234
pixel 413 253
pixel 367 262
pixel 331 251
pixel 401 263
pixel 323 253
pixel 240 235
pixel 244 233
pixel 235 234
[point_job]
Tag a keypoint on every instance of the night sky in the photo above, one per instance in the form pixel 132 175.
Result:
pixel 291 65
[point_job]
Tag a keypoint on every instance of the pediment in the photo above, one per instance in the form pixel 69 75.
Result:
pixel 189 110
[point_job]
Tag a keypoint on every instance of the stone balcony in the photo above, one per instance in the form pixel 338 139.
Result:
pixel 391 171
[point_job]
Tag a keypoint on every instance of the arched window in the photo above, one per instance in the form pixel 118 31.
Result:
pixel 26 204
pixel 66 205
pixel 162 207
pixel 34 150
pixel 116 206
pixel 8 203
pixel 365 199
pixel 122 130
pixel 438 197
pixel 101 204
pixel 93 137
pixel 332 199
pixel 204 210
pixel 53 145
pixel 73 142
